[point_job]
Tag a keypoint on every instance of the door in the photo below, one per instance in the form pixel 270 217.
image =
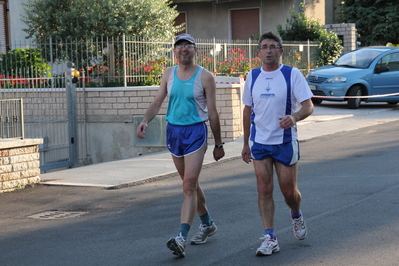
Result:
pixel 387 82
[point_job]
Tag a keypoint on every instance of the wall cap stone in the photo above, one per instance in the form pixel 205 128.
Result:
pixel 13 143
pixel 151 88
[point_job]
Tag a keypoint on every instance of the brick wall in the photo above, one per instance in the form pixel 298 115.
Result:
pixel 19 163
pixel 129 102
pixel 119 104
pixel 111 114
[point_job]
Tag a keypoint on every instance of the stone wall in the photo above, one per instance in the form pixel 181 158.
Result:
pixel 348 33
pixel 19 163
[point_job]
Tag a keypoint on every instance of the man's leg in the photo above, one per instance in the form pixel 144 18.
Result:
pixel 202 209
pixel 180 166
pixel 287 177
pixel 189 168
pixel 201 201
pixel 194 197
pixel 207 227
pixel 264 177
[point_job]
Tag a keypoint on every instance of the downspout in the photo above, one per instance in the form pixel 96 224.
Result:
pixel 261 17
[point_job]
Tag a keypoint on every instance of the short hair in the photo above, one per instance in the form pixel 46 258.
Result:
pixel 271 35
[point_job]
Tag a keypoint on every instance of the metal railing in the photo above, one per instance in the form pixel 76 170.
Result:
pixel 11 119
pixel 128 61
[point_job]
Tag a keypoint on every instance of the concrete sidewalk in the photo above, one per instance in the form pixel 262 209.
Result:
pixel 146 168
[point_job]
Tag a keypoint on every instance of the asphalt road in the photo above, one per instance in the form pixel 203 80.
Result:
pixel 350 187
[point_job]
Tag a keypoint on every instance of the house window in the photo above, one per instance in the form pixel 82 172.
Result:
pixel 245 24
pixel 3 27
pixel 181 18
pixel 341 37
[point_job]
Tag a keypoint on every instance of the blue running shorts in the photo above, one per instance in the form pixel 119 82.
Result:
pixel 184 140
pixel 287 153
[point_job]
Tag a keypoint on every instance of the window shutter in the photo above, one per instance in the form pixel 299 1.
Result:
pixel 244 23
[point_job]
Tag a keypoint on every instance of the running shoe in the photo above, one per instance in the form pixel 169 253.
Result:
pixel 299 227
pixel 268 247
pixel 177 245
pixel 203 233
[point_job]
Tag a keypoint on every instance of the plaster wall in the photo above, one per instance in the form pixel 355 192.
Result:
pixel 16 25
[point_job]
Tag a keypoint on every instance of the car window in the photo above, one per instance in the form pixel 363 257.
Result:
pixel 391 61
pixel 360 58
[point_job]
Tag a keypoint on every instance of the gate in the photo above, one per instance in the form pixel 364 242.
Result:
pixel 57 115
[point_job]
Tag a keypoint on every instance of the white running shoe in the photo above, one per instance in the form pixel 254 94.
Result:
pixel 299 227
pixel 268 247
pixel 203 233
pixel 177 245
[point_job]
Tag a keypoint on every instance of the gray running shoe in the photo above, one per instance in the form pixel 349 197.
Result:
pixel 203 233
pixel 177 245
pixel 268 247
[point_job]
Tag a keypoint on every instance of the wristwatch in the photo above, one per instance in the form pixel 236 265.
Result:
pixel 220 146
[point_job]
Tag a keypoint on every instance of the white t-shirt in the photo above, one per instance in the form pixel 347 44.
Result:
pixel 273 95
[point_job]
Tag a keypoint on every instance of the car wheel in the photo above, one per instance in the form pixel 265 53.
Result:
pixel 317 101
pixel 354 103
pixel 393 102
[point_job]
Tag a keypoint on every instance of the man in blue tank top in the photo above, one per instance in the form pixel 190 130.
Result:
pixel 275 96
pixel 192 102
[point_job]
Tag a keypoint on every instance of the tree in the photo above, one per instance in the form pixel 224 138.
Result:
pixel 300 28
pixel 376 20
pixel 95 25
pixel 80 19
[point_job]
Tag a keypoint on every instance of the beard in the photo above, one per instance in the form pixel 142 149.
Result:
pixel 186 59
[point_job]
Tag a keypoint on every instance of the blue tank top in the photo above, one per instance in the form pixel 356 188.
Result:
pixel 187 101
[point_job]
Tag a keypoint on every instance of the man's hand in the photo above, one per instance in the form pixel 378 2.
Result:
pixel 218 153
pixel 141 129
pixel 246 154
pixel 287 121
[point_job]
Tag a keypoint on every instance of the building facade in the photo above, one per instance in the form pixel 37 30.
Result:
pixel 243 19
pixel 211 19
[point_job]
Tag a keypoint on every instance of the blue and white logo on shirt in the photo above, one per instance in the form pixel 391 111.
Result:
pixel 268 95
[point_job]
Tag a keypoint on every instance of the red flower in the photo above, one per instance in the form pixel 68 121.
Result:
pixel 85 79
pixel 148 69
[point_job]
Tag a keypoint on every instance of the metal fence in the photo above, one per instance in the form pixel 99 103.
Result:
pixel 128 61
pixel 56 115
pixel 39 74
pixel 11 119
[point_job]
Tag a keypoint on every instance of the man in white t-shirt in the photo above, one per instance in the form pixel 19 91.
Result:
pixel 276 96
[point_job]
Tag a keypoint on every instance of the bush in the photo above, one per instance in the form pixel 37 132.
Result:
pixel 300 28
pixel 235 65
pixel 24 62
pixel 23 68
